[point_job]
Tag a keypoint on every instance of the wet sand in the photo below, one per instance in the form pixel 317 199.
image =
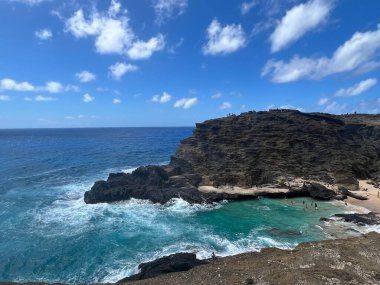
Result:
pixel 373 202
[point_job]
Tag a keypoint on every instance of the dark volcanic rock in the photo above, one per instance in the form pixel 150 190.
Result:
pixel 319 191
pixel 150 183
pixel 360 219
pixel 168 264
pixel 347 261
pixel 254 149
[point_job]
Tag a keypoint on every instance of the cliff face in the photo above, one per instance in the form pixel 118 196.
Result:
pixel 268 147
pixel 255 149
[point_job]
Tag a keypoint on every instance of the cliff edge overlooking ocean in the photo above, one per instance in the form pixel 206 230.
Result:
pixel 279 153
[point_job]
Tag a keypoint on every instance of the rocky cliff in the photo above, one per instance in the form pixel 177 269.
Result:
pixel 275 153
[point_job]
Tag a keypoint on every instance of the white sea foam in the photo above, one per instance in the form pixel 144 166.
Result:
pixel 171 228
pixel 203 249
pixel 350 208
pixel 129 170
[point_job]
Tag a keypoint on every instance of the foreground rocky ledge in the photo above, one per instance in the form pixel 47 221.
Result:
pixel 348 261
pixel 280 153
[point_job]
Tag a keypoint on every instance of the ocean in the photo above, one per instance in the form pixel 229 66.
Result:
pixel 48 233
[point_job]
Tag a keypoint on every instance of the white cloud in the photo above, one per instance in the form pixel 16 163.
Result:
pixel 246 7
pixel 85 76
pixel 73 88
pixel 287 107
pixel 5 98
pixel 291 107
pixel 41 98
pixel 335 108
pixel 87 98
pixel 114 36
pixel 298 21
pixel 74 117
pixel 112 32
pixel 359 54
pixel 114 8
pixel 323 101
pixel 371 106
pixel 186 103
pixel 223 40
pixel 262 26
pixel 44 34
pixel 116 101
pixel 30 2
pixel 144 50
pixel 54 87
pixel 176 46
pixel 358 88
pixel 119 69
pixel 217 95
pixel 164 98
pixel 50 86
pixel 225 105
pixel 165 9
pixel 12 85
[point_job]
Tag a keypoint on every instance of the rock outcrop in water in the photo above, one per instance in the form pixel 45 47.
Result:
pixel 361 219
pixel 168 264
pixel 255 154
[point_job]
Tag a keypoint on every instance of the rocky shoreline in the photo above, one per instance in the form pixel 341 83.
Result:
pixel 279 153
pixel 340 261
pixel 348 261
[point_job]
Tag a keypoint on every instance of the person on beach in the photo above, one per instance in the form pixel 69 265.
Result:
pixel 213 256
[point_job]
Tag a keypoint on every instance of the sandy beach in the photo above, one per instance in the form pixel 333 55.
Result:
pixel 373 202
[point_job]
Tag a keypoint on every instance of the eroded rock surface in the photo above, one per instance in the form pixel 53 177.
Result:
pixel 254 150
pixel 348 261
pixel 362 219
pixel 173 263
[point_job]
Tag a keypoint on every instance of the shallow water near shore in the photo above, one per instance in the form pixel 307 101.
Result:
pixel 47 232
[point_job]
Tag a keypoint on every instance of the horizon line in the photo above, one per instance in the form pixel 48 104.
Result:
pixel 65 128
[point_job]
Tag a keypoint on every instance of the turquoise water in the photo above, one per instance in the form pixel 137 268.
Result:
pixel 47 232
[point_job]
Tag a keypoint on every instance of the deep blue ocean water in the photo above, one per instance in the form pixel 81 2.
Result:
pixel 47 232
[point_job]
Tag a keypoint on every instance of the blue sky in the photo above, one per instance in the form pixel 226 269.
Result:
pixel 176 62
